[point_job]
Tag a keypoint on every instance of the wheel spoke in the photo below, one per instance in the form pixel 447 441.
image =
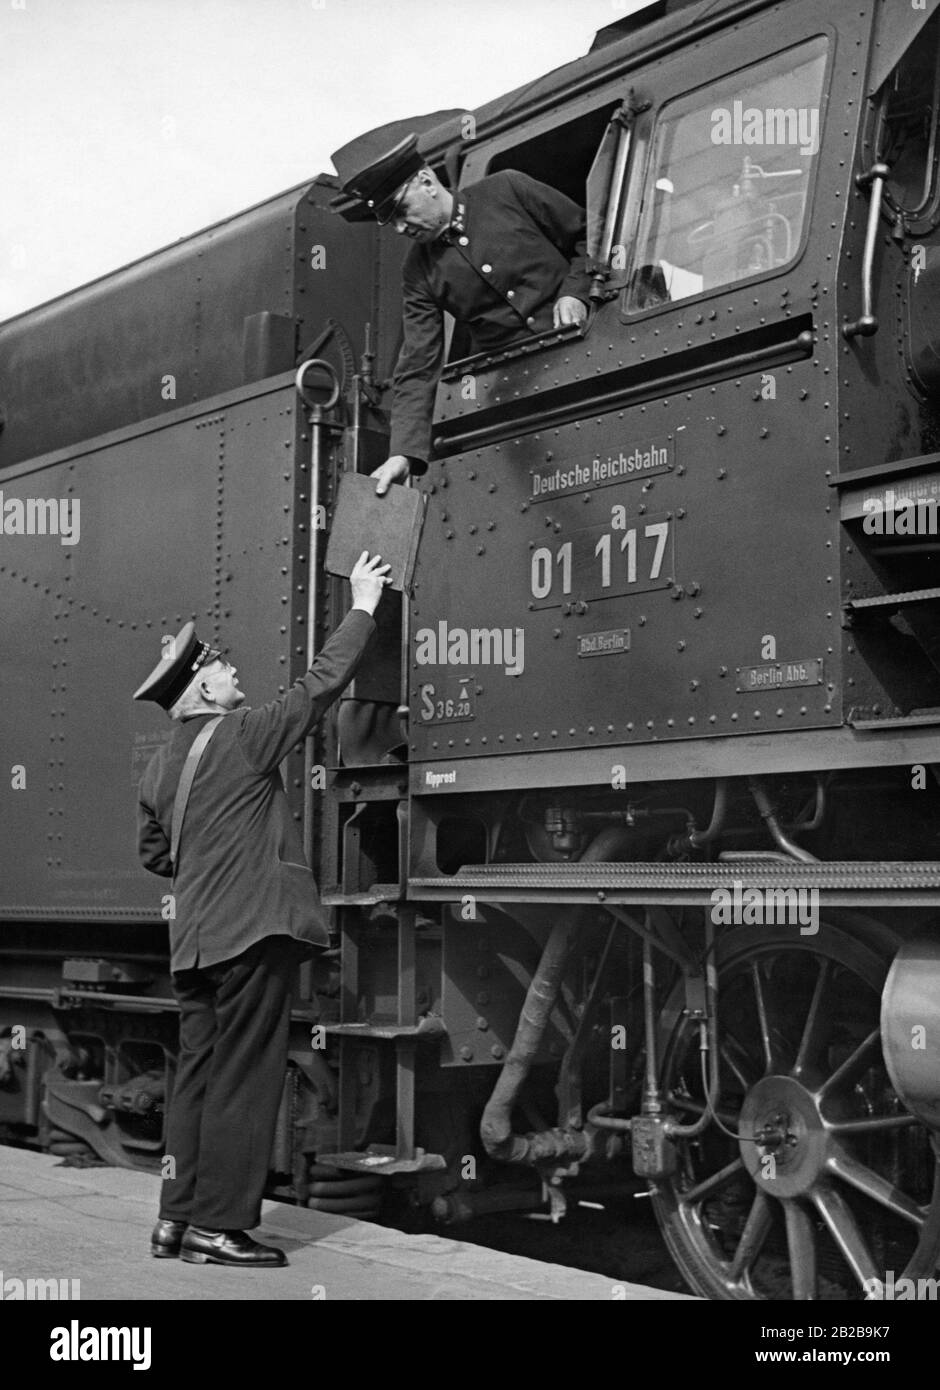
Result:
pixel 853 1066
pixel 801 1243
pixel 755 1232
pixel 876 1124
pixel 880 1190
pixel 761 1003
pixel 734 1065
pixel 817 1023
pixel 843 1228
pixel 708 1185
pixel 926 1258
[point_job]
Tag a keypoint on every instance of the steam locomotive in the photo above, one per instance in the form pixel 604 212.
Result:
pixel 653 893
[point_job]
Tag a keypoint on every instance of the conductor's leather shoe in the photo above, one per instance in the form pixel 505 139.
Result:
pixel 165 1239
pixel 202 1247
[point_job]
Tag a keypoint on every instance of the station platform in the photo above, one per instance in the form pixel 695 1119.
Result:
pixel 92 1225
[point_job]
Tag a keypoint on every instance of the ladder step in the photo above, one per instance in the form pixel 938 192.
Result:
pixel 916 720
pixel 902 600
pixel 381 1160
pixel 428 1028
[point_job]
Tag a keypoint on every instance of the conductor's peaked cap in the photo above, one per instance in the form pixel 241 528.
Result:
pixel 183 656
pixel 374 167
pixel 377 184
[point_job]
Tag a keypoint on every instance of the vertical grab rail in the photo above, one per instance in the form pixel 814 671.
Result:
pixel 866 324
pixel 318 424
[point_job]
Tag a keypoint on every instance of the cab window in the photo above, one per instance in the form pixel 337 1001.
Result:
pixel 907 137
pixel 560 156
pixel 726 191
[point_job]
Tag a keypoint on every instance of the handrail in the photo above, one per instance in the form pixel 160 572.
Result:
pixel 866 324
pixel 302 387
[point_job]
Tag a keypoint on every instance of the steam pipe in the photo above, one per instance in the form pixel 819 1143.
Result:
pixel 697 838
pixel 819 812
pixel 767 815
pixel 652 1105
pixel 600 1117
pixel 708 1042
pixel 496 1125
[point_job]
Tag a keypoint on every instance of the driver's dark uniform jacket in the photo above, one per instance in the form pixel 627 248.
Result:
pixel 513 247
pixel 245 910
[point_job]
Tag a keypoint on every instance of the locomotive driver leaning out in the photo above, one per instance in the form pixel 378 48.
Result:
pixel 246 912
pixel 504 256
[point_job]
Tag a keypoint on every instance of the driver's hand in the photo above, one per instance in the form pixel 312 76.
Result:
pixel 394 470
pixel 568 310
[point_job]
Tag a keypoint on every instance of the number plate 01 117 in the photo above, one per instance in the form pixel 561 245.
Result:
pixel 603 562
pixel 446 700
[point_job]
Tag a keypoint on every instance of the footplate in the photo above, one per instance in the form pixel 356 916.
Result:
pixel 840 883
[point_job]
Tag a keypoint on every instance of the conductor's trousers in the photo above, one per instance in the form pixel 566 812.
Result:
pixel 234 1021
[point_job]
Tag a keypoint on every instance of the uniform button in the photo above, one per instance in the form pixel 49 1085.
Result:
pixel 510 294
pixel 464 240
pixel 530 323
pixel 486 269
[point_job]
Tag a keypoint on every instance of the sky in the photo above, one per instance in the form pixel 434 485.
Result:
pixel 126 124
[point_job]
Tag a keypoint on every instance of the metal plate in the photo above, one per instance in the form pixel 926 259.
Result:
pixel 446 700
pixel 779 675
pixel 610 643
pixel 600 562
pixel 633 459
pixel 479 554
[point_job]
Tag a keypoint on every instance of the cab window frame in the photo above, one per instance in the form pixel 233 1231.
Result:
pixel 924 217
pixel 638 188
pixel 478 164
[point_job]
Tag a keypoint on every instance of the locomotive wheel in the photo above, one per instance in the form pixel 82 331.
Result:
pixel 829 1183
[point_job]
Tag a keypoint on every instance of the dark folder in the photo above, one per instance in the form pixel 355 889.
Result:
pixel 388 526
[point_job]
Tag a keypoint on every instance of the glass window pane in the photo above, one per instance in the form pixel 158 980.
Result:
pixel 729 174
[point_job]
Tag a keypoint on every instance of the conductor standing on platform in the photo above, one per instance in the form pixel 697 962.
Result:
pixel 214 815
pixel 505 256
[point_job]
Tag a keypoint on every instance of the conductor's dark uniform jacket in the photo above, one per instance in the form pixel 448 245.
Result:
pixel 514 245
pixel 241 869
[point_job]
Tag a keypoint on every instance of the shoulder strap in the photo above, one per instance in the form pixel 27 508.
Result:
pixel 199 744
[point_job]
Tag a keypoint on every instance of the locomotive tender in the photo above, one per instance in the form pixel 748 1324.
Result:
pixel 628 821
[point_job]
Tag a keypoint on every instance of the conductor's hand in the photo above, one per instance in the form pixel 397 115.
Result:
pixel 393 470
pixel 568 310
pixel 367 580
